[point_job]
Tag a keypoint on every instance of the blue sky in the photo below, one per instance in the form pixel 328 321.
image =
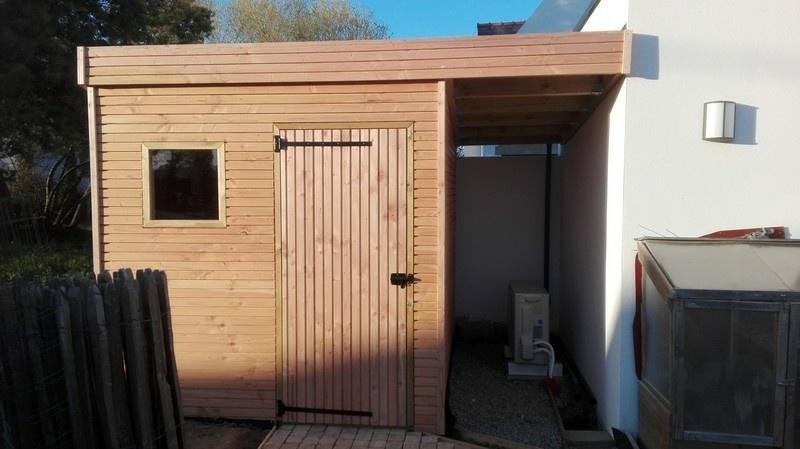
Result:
pixel 440 18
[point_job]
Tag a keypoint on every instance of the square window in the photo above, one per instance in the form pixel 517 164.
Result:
pixel 184 185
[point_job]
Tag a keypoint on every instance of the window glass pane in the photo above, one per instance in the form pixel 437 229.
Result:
pixel 184 185
pixel 657 338
pixel 730 371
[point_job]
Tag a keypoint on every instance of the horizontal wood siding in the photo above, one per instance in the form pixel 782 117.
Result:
pixel 223 281
pixel 354 61
pixel 434 255
pixel 429 344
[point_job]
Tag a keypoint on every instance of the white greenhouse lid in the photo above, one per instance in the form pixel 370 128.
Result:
pixel 723 268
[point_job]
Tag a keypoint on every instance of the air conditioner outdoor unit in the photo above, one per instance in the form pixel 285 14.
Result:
pixel 529 317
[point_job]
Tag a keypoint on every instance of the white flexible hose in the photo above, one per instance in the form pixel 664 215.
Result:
pixel 550 360
pixel 551 353
pixel 544 343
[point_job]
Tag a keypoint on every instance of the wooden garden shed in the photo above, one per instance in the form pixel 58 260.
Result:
pixel 280 186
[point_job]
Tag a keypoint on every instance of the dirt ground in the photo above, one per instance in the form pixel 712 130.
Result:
pixel 203 434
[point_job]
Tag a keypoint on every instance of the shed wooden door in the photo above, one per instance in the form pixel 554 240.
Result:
pixel 343 232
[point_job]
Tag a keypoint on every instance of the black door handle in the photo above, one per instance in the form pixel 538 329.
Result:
pixel 401 279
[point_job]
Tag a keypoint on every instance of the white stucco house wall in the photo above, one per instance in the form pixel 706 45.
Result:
pixel 639 167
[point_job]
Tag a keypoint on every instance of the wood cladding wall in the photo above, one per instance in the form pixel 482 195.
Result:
pixel 430 361
pixel 358 61
pixel 223 280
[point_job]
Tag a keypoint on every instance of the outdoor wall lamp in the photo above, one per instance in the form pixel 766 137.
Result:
pixel 718 121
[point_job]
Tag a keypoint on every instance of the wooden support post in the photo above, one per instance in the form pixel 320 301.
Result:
pixel 64 326
pixel 82 369
pixel 159 369
pixel 136 344
pixel 16 371
pixel 30 300
pixel 98 339
pixel 114 329
pixel 169 350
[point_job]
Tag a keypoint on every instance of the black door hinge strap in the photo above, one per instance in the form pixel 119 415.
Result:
pixel 283 408
pixel 282 144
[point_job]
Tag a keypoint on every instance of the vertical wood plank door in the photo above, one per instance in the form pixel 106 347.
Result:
pixel 343 231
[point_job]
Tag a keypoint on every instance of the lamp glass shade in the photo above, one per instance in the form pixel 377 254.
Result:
pixel 718 121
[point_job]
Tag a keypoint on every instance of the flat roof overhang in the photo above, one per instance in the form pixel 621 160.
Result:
pixel 508 89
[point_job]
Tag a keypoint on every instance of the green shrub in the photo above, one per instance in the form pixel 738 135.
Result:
pixel 56 259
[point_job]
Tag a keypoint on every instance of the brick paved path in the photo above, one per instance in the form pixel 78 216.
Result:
pixel 342 437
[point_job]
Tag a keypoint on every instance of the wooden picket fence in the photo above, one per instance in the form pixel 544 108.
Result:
pixel 89 362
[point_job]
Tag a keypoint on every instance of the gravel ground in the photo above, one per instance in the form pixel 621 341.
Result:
pixel 485 402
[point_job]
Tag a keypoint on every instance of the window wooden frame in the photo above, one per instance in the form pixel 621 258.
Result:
pixel 147 185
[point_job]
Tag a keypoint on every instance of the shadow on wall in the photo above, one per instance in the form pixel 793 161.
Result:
pixel 500 232
pixel 746 118
pixel 351 390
